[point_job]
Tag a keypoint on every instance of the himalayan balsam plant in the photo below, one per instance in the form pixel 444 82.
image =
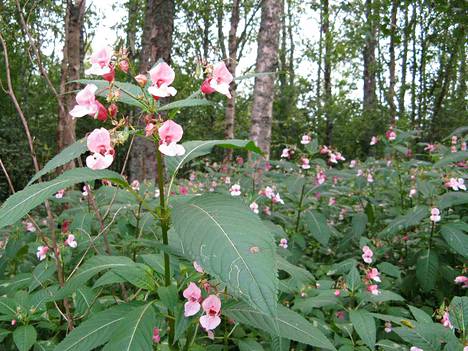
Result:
pixel 309 252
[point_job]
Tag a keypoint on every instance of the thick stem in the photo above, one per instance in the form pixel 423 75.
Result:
pixel 165 223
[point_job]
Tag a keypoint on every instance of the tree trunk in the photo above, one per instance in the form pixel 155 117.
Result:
pixel 414 66
pixel 404 62
pixel 267 61
pixel 131 30
pixel 156 45
pixel 391 87
pixel 230 113
pixel 369 98
pixel 327 72
pixel 319 72
pixel 70 70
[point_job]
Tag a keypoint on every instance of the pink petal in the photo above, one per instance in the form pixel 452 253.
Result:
pixel 209 322
pixel 162 74
pixel 191 308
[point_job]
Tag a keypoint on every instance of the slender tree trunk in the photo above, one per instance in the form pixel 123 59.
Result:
pixel 156 45
pixel 230 113
pixel 391 87
pixel 422 68
pixel 404 62
pixel 327 72
pixel 71 65
pixel 131 30
pixel 319 72
pixel 369 98
pixel 267 61
pixel 414 66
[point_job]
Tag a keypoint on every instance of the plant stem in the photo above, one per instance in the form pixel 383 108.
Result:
pixel 430 237
pixel 165 222
pixel 299 210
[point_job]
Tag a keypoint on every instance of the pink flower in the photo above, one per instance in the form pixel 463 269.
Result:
pixel 374 275
pixel 337 292
pixel 100 61
pixel 388 327
pixel 332 201
pixel 197 267
pixel 85 190
pixel 463 146
pixel 283 243
pixel 276 199
pixel 267 211
pixel 373 289
pixel 254 207
pixel 305 163
pixel 149 129
pixel 170 133
pixel 332 158
pixel 462 280
pixel 339 156
pixel 162 77
pixel 193 294
pixel 268 192
pixel 30 227
pixel 239 160
pixel 219 81
pixel 412 192
pixel 285 153
pixel 212 307
pixel 446 321
pixel 374 140
pixel 124 66
pixel 414 348
pixel 430 147
pixel 367 254
pixel 454 139
pixel 306 139
pixel 370 178
pixel 156 336
pixel 99 143
pixel 87 104
pixel 235 190
pixel 324 150
pixel 390 135
pixel 389 163
pixel 135 185
pixel 71 241
pixel 13 322
pixel 340 314
pixel 42 252
pixel 183 190
pixel 456 184
pixel 320 178
pixel 60 194
pixel 435 215
pixel 453 148
pixel 352 164
pixel 141 79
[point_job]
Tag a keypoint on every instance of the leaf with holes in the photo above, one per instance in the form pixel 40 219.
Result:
pixel 232 244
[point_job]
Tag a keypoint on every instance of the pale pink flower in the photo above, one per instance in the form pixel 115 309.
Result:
pixel 389 163
pixel 283 243
pixel 70 241
pixel 462 280
pixel 99 143
pixel 352 164
pixel 162 77
pixel 219 81
pixel 306 139
pixel 305 163
pixel 453 148
pixel 197 267
pixel 85 191
pixel 412 192
pixel 430 147
pixel 254 207
pixel 446 321
pixel 267 211
pixel 183 190
pixel 370 178
pixel 42 252
pixel 390 134
pixel 463 148
pixel 374 274
pixel 339 156
pixel 227 180
pixel 30 227
pixel 169 134
pixel 332 158
pixel 360 172
pixel 212 307
pixel 373 289
pixel 13 322
pixel 235 190
pixel 388 327
pixel 276 199
pixel 374 140
pixel 340 315
pixel 193 294
pixel 324 150
pixel 320 178
pixel 456 184
pixel 337 292
pixel 367 254
pixel 124 66
pixel 60 194
pixel 285 153
pixel 342 214
pixel 149 129
pixel 100 61
pixel 88 105
pixel 414 348
pixel 332 201
pixel 454 139
pixel 135 185
pixel 435 215
pixel 156 336
pixel 268 192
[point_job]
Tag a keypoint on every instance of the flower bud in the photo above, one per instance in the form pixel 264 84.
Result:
pixel 123 65
pixel 141 79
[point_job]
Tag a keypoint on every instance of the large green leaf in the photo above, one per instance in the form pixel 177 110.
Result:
pixel 24 337
pixel 291 325
pixel 452 199
pixel 190 102
pixel 135 331
pixel 66 155
pixel 20 203
pixel 455 238
pixel 197 148
pixel 427 269
pixel 231 243
pixel 95 331
pixel 364 324
pixel 358 224
pixel 318 226
pixel 412 218
pixel 128 95
pixel 459 313
pixel 422 336
pixel 92 267
pixel 451 158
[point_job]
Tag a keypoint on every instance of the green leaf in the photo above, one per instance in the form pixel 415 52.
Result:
pixel 318 227
pixel 129 92
pixel 412 218
pixel 364 324
pixel 198 148
pixel 249 345
pixel 135 331
pixel 420 315
pixel 66 155
pixel 84 299
pixel 389 269
pixel 452 199
pixel 358 223
pixel 298 276
pixel 41 273
pixel 291 325
pixel 20 203
pixel 427 270
pixel 422 336
pixel 308 304
pixel 138 275
pixel 95 331
pixel 451 158
pixel 232 244
pixel 185 103
pixel 4 333
pixel 92 267
pixel 353 279
pixel 459 312
pixel 455 238
pixel 24 337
